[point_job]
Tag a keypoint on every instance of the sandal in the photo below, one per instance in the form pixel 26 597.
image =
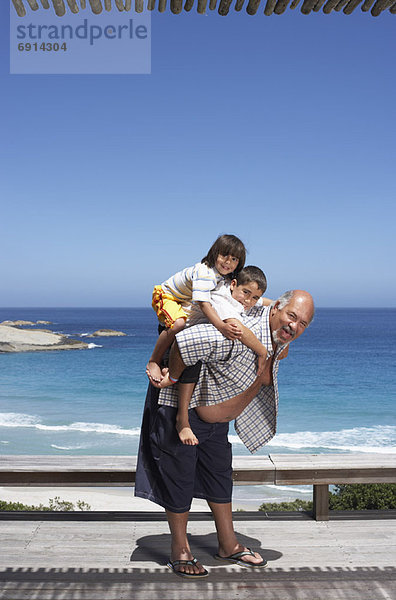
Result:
pixel 236 559
pixel 175 563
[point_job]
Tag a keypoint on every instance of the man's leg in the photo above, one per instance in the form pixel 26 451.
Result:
pixel 228 543
pixel 180 548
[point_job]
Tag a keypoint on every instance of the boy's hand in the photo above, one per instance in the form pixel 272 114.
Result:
pixel 263 364
pixel 231 331
pixel 265 377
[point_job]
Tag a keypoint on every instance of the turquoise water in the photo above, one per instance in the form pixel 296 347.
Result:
pixel 337 387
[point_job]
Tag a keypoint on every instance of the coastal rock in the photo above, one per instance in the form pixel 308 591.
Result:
pixel 18 323
pixel 106 333
pixel 44 323
pixel 27 340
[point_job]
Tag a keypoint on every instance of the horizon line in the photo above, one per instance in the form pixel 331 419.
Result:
pixel 149 307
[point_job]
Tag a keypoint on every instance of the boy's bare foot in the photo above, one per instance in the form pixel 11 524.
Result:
pixel 153 372
pixel 186 435
pixel 166 381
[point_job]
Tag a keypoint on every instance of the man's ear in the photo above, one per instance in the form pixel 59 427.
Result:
pixel 276 306
pixel 233 285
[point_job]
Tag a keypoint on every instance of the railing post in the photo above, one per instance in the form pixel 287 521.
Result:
pixel 321 502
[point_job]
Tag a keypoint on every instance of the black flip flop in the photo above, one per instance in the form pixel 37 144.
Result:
pixel 172 564
pixel 236 559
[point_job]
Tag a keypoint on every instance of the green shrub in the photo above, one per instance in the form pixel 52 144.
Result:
pixel 356 496
pixel 55 504
pixel 363 496
pixel 296 504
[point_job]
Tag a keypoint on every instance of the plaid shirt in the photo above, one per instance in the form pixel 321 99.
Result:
pixel 229 368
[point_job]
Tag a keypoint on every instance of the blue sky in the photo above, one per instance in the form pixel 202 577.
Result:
pixel 278 129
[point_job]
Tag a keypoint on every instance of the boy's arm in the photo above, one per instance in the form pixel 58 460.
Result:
pixel 265 301
pixel 249 339
pixel 229 329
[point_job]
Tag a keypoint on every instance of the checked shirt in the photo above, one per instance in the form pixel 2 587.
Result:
pixel 229 368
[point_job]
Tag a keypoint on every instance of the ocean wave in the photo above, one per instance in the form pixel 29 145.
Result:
pixel 79 447
pixel 4 442
pixel 300 489
pixel 92 345
pixel 379 439
pixel 23 420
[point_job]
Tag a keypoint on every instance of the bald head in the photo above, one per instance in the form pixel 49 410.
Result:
pixel 290 315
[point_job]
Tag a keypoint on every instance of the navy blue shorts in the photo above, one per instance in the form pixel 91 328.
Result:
pixel 170 473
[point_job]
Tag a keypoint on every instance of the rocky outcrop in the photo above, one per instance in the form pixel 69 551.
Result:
pixel 106 333
pixel 18 323
pixel 27 340
pixel 21 323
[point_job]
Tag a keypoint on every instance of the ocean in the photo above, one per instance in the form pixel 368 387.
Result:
pixel 337 387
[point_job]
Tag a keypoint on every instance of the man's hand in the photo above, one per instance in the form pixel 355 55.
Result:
pixel 231 331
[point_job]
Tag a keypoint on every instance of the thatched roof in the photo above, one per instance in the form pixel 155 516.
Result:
pixel 176 6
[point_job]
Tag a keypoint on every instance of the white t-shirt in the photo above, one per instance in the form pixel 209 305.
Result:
pixel 223 303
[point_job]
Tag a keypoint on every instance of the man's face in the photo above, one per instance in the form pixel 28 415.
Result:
pixel 289 322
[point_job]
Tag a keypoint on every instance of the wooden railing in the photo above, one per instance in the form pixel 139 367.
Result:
pixel 319 470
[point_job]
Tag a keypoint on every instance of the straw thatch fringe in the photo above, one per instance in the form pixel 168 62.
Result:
pixel 252 7
pixel 350 7
pixel 329 6
pixel 224 7
pixel 341 5
pixel 308 6
pixel 96 6
pixel 201 8
pixel 73 6
pixel 281 6
pixel 319 5
pixel 176 6
pixel 381 5
pixel 19 7
pixel 269 7
pixel 33 4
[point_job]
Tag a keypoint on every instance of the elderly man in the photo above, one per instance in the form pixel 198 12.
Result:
pixel 171 473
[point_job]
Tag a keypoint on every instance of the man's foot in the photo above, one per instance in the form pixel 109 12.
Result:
pixel 153 372
pixel 188 568
pixel 186 435
pixel 244 557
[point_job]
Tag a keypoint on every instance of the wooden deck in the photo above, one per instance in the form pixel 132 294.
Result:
pixel 121 560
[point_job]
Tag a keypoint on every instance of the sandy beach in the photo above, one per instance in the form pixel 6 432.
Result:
pixel 244 497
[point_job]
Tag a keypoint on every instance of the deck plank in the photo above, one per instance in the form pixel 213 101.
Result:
pixel 55 560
